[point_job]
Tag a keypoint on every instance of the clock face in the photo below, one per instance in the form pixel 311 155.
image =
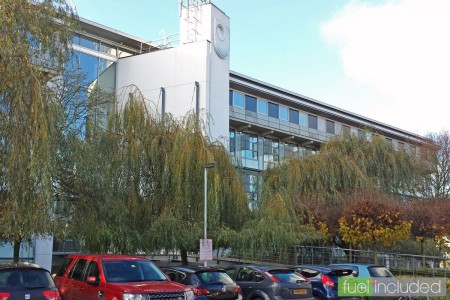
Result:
pixel 221 39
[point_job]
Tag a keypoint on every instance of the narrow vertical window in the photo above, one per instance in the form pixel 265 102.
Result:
pixel 262 107
pixel 312 121
pixel 250 103
pixel 273 110
pixel 330 127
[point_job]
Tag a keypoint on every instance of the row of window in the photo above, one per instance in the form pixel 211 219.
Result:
pixel 272 110
pixel 281 112
pixel 100 46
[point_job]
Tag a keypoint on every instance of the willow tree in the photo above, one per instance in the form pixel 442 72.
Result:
pixel 315 187
pixel 140 184
pixel 34 41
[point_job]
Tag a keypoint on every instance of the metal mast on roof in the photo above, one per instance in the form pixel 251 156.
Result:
pixel 193 16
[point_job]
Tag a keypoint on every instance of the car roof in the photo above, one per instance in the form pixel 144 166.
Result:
pixel 20 265
pixel 357 264
pixel 322 269
pixel 193 269
pixel 265 268
pixel 109 257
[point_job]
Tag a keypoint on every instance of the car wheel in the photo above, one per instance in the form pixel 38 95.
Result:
pixel 316 297
pixel 258 298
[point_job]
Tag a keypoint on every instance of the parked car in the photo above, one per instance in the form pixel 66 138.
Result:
pixel 26 281
pixel 324 280
pixel 366 270
pixel 207 284
pixel 121 277
pixel 270 283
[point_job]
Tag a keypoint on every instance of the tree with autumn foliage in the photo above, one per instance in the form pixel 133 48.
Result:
pixel 430 221
pixel 373 223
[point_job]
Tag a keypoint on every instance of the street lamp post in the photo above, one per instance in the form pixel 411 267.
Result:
pixel 207 166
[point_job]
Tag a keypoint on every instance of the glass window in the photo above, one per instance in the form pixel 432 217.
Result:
pixel 330 127
pixel 252 186
pixel 303 119
pixel 291 151
pixel 232 141
pixel 287 276
pixel 238 100
pixel 108 49
pixel 273 110
pixel 64 267
pixel 231 97
pixel 312 121
pixel 132 271
pixel 262 106
pixel 250 103
pixel 214 276
pixel 271 152
pixel 89 43
pixel 284 113
pixel 293 116
pixel 77 271
pixel 249 145
pixel 93 270
pixel 245 274
pixel 345 130
pixel 361 134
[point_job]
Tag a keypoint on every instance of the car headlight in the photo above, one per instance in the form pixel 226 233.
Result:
pixel 127 296
pixel 189 295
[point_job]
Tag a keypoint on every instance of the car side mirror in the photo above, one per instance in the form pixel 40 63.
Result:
pixel 92 280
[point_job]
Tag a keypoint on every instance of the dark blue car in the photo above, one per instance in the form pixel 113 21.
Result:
pixel 207 284
pixel 324 280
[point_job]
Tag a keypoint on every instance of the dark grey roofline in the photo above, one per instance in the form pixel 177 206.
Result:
pixel 321 106
pixel 118 38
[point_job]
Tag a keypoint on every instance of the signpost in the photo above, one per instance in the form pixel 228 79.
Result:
pixel 206 249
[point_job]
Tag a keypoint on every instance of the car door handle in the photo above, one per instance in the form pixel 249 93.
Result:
pixel 100 294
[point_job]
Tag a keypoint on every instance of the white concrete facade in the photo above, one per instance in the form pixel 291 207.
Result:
pixel 200 58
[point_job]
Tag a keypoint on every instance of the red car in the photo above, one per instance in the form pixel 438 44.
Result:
pixel 116 277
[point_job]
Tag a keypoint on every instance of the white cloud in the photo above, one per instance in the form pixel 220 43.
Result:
pixel 401 50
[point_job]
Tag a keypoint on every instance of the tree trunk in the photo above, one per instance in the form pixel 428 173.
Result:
pixel 16 254
pixel 184 259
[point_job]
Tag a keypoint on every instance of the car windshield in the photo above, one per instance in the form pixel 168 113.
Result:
pixel 18 279
pixel 287 276
pixel 379 272
pixel 132 271
pixel 214 277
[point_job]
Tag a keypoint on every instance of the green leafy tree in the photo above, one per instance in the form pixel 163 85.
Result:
pixel 316 189
pixel 140 184
pixel 34 41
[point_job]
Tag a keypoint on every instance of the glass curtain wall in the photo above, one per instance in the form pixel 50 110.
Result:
pixel 98 76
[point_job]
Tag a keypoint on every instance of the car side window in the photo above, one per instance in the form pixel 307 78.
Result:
pixel 64 267
pixel 355 271
pixel 77 271
pixel 245 274
pixel 93 270
pixel 257 276
pixel 231 272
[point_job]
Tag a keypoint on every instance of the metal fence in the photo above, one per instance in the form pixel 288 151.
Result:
pixel 402 263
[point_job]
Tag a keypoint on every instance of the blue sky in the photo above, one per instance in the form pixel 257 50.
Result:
pixel 385 60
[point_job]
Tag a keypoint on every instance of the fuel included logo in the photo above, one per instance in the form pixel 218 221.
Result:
pixel 397 287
